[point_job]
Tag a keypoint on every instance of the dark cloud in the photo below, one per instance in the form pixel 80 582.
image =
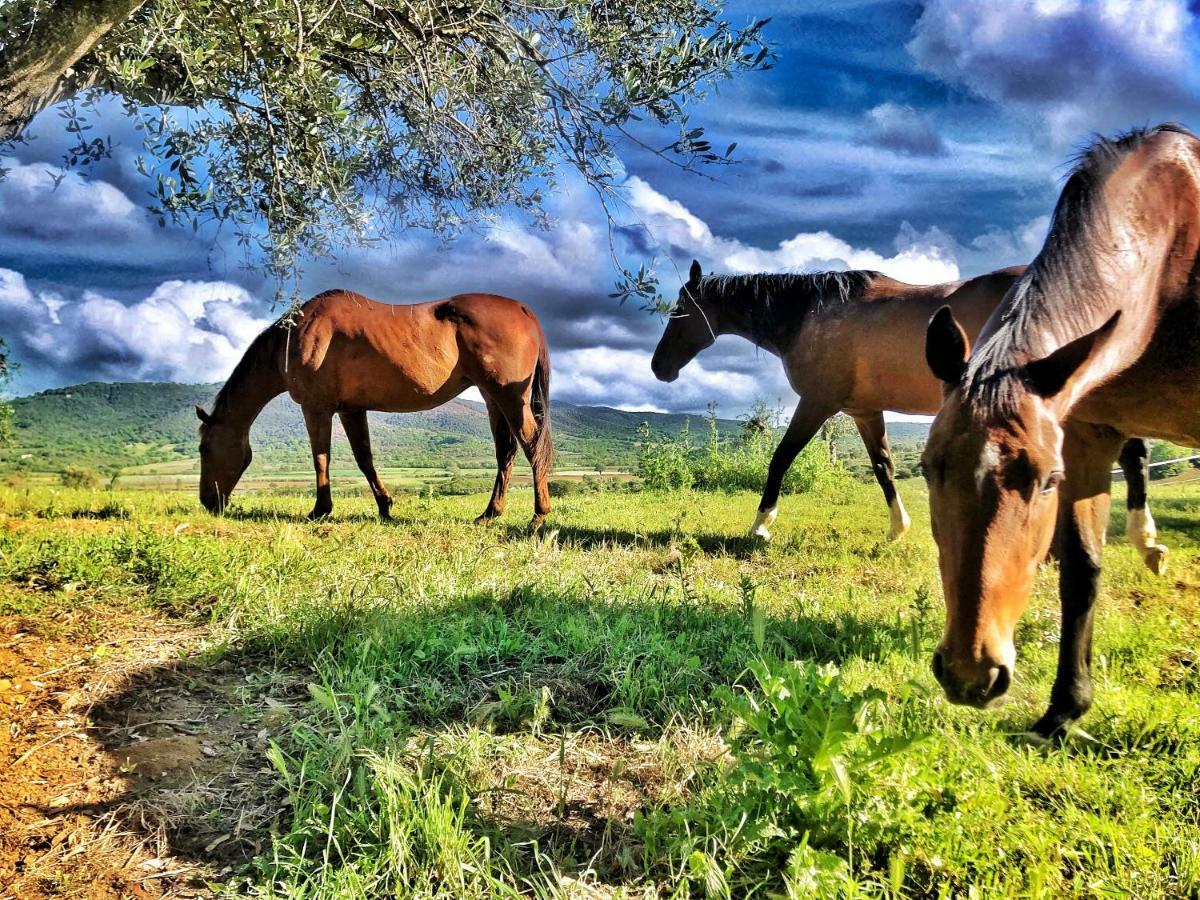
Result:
pixel 1073 67
pixel 903 129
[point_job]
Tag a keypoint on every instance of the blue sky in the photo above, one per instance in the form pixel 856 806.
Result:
pixel 927 139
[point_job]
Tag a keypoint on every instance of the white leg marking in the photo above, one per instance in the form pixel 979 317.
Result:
pixel 762 523
pixel 1142 533
pixel 900 519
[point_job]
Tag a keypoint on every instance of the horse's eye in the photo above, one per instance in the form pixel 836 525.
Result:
pixel 1053 480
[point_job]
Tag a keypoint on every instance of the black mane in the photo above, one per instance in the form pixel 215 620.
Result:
pixel 1056 298
pixel 781 302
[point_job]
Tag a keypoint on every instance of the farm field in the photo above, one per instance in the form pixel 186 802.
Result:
pixel 635 701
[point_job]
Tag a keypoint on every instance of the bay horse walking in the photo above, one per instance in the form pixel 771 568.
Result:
pixel 851 342
pixel 346 354
pixel 1098 339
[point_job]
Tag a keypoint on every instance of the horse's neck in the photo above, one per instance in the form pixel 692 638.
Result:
pixel 735 316
pixel 257 380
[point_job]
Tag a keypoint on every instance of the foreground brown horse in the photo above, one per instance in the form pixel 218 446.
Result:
pixel 346 354
pixel 1099 339
pixel 851 341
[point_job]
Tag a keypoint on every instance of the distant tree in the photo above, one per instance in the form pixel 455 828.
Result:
pixel 79 477
pixel 7 370
pixel 301 122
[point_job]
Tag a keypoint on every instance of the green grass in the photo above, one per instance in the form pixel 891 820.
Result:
pixel 638 701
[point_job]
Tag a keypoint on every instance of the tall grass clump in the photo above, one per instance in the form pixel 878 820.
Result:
pixel 740 463
pixel 812 800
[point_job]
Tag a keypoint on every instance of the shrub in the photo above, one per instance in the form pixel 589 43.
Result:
pixel 1164 450
pixel 560 487
pixel 79 477
pixel 731 464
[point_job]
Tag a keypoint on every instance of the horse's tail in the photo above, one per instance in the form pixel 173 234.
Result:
pixel 543 442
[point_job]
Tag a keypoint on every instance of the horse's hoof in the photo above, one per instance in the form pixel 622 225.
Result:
pixel 1055 725
pixel 318 514
pixel 536 522
pixel 1155 559
pixel 760 533
pixel 485 518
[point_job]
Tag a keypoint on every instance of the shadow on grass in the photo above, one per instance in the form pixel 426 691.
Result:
pixel 587 538
pixel 194 736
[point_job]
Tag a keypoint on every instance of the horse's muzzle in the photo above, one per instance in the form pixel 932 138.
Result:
pixel 982 691
pixel 662 371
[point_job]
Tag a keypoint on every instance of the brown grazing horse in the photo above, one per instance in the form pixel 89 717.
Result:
pixel 845 339
pixel 1099 339
pixel 346 354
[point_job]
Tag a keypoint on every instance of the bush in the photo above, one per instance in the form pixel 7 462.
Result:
pixel 560 487
pixel 459 486
pixel 1163 450
pixel 731 464
pixel 79 477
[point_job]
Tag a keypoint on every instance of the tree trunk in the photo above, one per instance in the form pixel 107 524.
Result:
pixel 44 67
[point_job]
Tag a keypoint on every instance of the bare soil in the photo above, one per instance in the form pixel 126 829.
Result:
pixel 126 771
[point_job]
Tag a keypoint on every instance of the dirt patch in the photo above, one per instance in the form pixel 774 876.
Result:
pixel 574 798
pixel 125 771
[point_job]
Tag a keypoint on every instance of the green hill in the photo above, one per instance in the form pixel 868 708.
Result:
pixel 109 426
pixel 113 427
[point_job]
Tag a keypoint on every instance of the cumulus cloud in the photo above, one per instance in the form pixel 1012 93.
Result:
pixel 673 226
pixel 1075 66
pixel 600 376
pixel 903 129
pixel 183 331
pixel 37 202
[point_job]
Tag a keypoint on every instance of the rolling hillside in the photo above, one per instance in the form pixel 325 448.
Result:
pixel 117 426
pixel 109 426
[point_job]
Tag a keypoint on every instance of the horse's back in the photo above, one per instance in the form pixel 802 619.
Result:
pixel 351 350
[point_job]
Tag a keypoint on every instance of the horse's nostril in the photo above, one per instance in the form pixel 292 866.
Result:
pixel 939 668
pixel 999 679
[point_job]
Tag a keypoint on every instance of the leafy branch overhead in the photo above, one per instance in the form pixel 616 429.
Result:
pixel 300 122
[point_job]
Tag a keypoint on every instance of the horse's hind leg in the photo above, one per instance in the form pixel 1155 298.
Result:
pixel 518 413
pixel 806 421
pixel 1139 524
pixel 506 453
pixel 359 436
pixel 541 487
pixel 320 426
pixel 873 431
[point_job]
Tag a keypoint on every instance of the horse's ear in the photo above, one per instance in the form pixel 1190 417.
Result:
pixel 1049 375
pixel 946 347
pixel 202 415
pixel 694 272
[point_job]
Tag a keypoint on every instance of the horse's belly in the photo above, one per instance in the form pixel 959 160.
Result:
pixel 400 388
pixel 915 393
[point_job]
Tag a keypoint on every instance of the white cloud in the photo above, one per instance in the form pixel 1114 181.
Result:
pixel 36 203
pixel 183 331
pixel 601 376
pixel 671 223
pixel 1074 66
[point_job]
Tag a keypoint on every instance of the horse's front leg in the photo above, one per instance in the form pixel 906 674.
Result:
pixel 320 428
pixel 806 421
pixel 1084 500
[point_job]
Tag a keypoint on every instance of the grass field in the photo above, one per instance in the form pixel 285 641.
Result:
pixel 634 701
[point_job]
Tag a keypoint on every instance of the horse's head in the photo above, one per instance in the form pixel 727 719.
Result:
pixel 993 502
pixel 224 455
pixel 691 328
